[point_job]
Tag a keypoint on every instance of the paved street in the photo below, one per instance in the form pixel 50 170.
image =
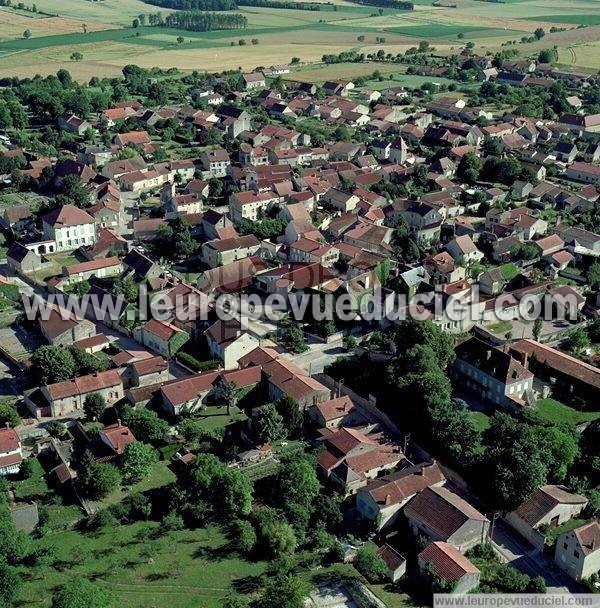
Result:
pixel 519 553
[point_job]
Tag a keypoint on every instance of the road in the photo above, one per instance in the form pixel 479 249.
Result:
pixel 523 556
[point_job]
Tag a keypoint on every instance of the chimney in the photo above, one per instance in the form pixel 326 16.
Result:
pixel 525 360
pixel 7 424
pixel 488 354
pixel 119 422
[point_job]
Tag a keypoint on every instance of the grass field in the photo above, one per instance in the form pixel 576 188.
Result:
pixel 180 569
pixel 480 420
pixel 557 412
pixel 109 43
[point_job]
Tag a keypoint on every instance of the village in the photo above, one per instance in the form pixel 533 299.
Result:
pixel 338 460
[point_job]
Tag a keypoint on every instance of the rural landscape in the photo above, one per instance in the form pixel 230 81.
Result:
pixel 299 303
pixel 102 33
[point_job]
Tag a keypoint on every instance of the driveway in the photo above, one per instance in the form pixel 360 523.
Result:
pixel 523 556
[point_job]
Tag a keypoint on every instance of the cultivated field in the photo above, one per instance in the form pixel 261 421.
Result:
pixel 110 42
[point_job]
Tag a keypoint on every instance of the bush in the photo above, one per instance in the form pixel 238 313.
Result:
pixel 198 366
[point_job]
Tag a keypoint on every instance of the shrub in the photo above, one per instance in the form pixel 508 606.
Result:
pixel 199 366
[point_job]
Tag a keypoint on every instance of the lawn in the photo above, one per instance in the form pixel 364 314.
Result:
pixel 480 421
pixel 180 569
pixel 61 513
pixel 161 476
pixel 556 412
pixel 554 533
pixel 214 418
pixel 500 328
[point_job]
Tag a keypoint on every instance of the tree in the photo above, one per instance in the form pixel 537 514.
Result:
pixel 93 406
pixel 145 424
pixel 51 364
pixel 469 167
pixel 27 34
pixel 539 33
pixel 9 414
pixel 538 325
pixel 76 56
pixel 293 338
pixel 268 425
pixel 95 479
pixel 297 481
pixel 10 583
pixel 281 539
pixel 180 39
pixel 80 593
pixel 290 411
pixel 593 275
pixel 245 536
pixel 135 23
pixel 137 460
pixel 578 341
pixel 284 592
pixel 235 601
pixel 370 565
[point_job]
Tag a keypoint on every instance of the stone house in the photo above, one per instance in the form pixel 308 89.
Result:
pixel 578 551
pixel 451 566
pixel 227 341
pixel 442 515
pixel 547 506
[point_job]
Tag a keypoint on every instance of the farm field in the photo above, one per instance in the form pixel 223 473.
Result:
pixel 110 42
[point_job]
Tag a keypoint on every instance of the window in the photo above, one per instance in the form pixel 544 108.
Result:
pixel 565 546
pixel 576 554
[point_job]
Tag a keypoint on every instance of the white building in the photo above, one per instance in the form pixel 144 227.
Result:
pixel 69 227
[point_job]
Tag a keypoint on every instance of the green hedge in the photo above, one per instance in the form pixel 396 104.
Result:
pixel 199 366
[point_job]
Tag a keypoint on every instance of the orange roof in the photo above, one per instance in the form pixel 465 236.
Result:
pixel 447 561
pixel 118 436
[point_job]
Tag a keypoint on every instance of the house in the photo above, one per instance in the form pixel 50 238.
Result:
pixel 579 240
pixel 11 456
pixel 565 151
pixel 149 371
pixel 584 172
pixel 215 162
pixel 224 251
pixel 140 139
pixel 101 268
pixel 462 248
pixel 116 437
pixel 442 515
pixel 451 566
pixel 340 200
pixel 567 374
pixel 334 413
pixel 69 227
pixel 395 562
pixel 492 374
pixel 351 458
pixel 66 397
pixel 62 328
pixel 22 260
pixel 96 155
pixel 162 337
pixel 192 392
pixel 578 550
pixel 73 124
pixel 255 80
pixel 227 341
pixel 380 502
pixel 549 506
pixel 285 378
pixel 250 205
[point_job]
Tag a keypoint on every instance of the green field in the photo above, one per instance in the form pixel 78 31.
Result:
pixel 178 569
pixel 583 19
pixel 557 412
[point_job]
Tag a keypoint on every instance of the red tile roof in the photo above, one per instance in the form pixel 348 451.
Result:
pixel 84 384
pixel 118 436
pixel 9 440
pixel 448 563
pixel 442 511
pixel 67 215
pixel 543 500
